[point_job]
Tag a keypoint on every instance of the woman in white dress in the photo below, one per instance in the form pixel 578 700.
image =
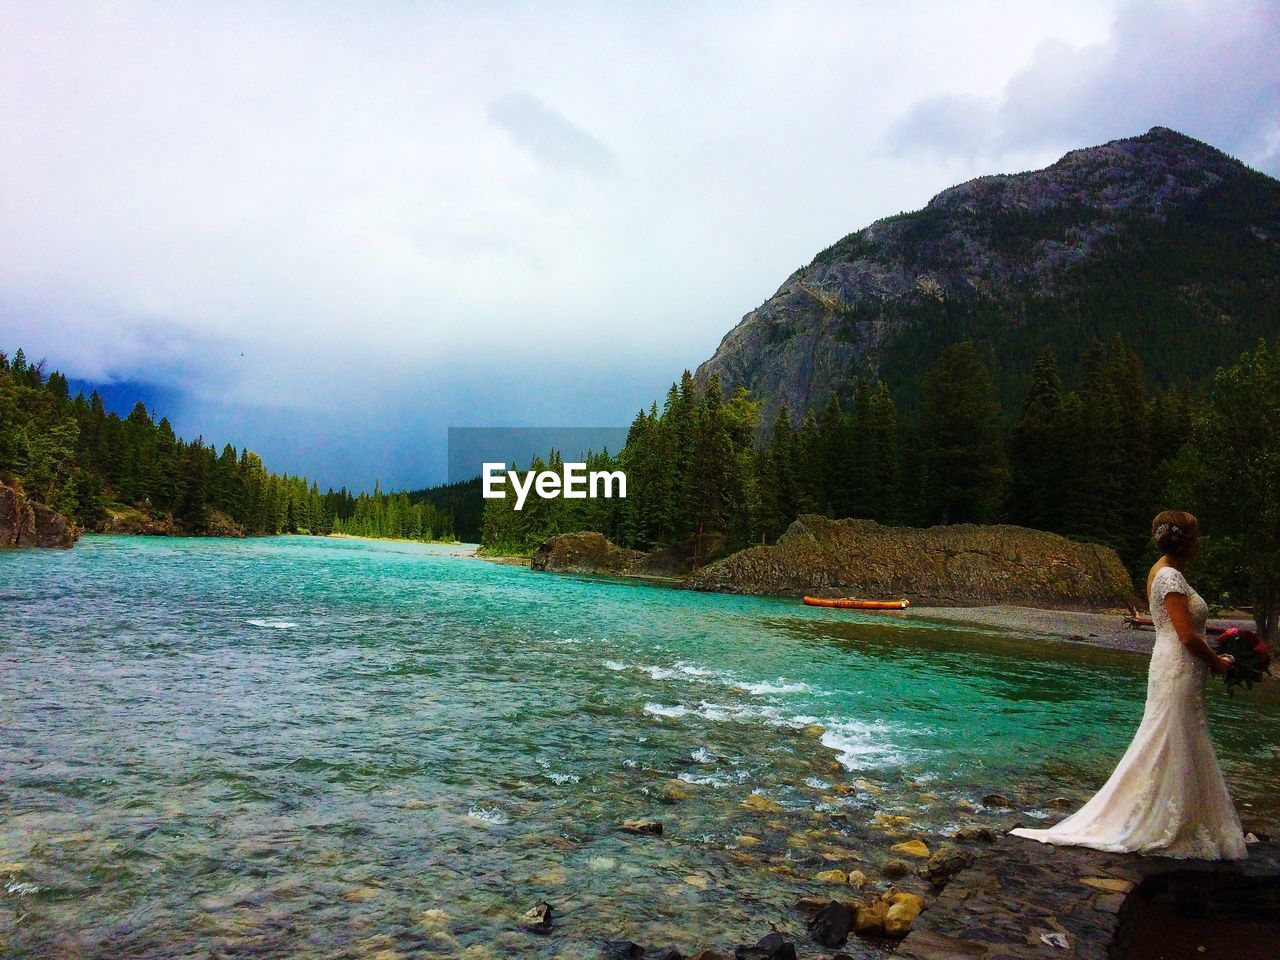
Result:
pixel 1167 796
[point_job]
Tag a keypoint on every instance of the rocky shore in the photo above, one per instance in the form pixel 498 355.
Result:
pixel 25 523
pixel 951 566
pixel 959 565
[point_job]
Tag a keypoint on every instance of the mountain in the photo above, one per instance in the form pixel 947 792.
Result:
pixel 1160 239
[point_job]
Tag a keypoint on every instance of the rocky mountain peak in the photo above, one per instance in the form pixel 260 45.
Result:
pixel 1009 239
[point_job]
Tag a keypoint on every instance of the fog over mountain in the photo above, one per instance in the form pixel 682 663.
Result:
pixel 331 233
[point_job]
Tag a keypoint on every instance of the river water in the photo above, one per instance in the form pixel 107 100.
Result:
pixel 342 748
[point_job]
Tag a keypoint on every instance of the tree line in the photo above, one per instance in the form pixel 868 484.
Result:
pixel 1093 462
pixel 89 464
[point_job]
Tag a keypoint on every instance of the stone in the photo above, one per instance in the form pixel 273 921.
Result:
pixel 747 840
pixel 866 786
pixel 857 879
pixel 663 953
pixel 361 894
pixel 758 803
pixel 890 820
pixel 539 918
pixel 809 906
pixel 832 924
pixel 1061 803
pixel 976 834
pixel 772 947
pixel 697 881
pixel 946 863
pixel 832 876
pixel 674 791
pixel 643 827
pixel 869 920
pixel 622 950
pixel 710 955
pixel 895 869
pixel 1107 884
pixel 996 800
pixel 911 848
pixel 902 913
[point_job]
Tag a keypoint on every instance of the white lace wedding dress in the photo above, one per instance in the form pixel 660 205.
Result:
pixel 1167 796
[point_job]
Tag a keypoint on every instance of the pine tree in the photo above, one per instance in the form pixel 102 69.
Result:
pixel 963 443
pixel 1040 470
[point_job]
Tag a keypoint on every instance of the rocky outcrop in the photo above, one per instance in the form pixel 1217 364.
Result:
pixel 586 552
pixel 25 523
pixel 133 522
pixel 593 553
pixel 959 565
pixel 1026 248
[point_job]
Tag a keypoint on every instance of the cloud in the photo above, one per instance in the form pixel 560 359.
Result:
pixel 1208 69
pixel 551 136
pixel 335 234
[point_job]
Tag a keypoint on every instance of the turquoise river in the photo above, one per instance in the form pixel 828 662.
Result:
pixel 297 747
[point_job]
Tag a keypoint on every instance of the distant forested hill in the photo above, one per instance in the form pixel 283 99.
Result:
pixel 134 475
pixel 1160 240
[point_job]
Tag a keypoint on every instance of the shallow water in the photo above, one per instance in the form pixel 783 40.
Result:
pixel 343 748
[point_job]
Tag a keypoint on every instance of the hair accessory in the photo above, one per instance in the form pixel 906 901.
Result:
pixel 1166 528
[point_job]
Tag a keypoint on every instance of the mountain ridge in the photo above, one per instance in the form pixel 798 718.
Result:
pixel 1016 261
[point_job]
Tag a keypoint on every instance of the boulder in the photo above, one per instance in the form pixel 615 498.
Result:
pixel 869 920
pixel 946 863
pixel 975 834
pixel 25 523
pixel 894 869
pixel 538 919
pixel 911 848
pixel 759 803
pixel 902 913
pixel 960 564
pixel 650 827
pixel 832 924
pixel 585 552
pixel 772 947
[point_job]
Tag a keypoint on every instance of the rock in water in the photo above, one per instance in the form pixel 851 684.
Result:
pixel 622 950
pixel 895 869
pixel 25 523
pixel 832 924
pixel 773 947
pixel 902 912
pixel 538 919
pixel 957 564
pixel 912 848
pixel 652 827
pixel 946 863
pixel 869 921
pixel 975 834
pixel 590 553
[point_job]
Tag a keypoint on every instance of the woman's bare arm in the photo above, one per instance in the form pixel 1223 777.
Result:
pixel 1176 605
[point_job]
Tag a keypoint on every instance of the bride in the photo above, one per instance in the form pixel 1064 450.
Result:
pixel 1167 796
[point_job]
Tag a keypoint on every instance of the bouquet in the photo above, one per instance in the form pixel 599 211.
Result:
pixel 1253 659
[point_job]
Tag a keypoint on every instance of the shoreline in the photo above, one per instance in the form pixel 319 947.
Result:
pixel 1097 628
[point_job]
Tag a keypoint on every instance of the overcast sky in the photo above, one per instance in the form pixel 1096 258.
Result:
pixel 330 231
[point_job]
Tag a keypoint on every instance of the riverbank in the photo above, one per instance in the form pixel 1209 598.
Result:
pixel 1104 628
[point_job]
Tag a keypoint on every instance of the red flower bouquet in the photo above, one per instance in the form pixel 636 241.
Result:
pixel 1253 659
